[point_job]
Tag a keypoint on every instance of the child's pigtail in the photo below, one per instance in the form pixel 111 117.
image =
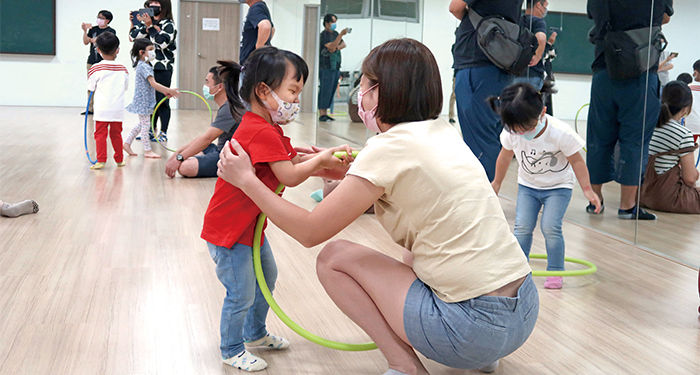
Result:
pixel 230 72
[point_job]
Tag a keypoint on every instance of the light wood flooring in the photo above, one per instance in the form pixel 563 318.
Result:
pixel 111 277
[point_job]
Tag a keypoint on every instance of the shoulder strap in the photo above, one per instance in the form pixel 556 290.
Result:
pixel 474 17
pixel 675 152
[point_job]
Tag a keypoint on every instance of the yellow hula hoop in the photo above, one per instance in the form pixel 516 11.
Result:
pixel 153 116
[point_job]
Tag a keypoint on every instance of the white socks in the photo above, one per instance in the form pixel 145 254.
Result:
pixel 19 209
pixel 246 362
pixel 270 341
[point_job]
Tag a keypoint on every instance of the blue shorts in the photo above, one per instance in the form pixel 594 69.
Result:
pixel 207 162
pixel 472 333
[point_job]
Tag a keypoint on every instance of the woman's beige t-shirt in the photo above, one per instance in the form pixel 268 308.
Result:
pixel 439 204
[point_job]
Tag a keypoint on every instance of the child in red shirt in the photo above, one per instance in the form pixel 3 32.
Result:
pixel 272 82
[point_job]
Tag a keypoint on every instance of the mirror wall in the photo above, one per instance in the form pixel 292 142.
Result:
pixel 369 23
pixel 673 234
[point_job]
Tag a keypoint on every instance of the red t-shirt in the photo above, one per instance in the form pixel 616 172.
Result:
pixel 231 215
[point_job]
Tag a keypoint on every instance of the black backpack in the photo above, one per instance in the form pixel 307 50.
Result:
pixel 508 45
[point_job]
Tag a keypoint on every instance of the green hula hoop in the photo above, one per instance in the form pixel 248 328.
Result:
pixel 276 308
pixel 586 271
pixel 153 116
pixel 576 119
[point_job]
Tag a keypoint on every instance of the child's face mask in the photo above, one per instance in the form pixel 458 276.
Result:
pixel 531 134
pixel 286 112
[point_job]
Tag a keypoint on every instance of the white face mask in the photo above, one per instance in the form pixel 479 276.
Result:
pixel 101 22
pixel 151 56
pixel 286 112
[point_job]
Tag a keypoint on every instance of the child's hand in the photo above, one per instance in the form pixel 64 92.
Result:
pixel 330 161
pixel 496 186
pixel 172 93
pixel 593 198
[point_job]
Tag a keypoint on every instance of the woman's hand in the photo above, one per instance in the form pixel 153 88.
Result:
pixel 146 19
pixel 236 169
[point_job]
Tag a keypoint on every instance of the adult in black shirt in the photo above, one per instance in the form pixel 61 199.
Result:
pixel 617 109
pixel 478 78
pixel 258 28
pixel 90 33
pixel 533 20
pixel 329 64
pixel 160 30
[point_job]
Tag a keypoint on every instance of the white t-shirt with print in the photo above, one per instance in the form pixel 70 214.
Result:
pixel 542 162
pixel 692 122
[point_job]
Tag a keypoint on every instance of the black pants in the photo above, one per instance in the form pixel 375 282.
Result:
pixel 164 77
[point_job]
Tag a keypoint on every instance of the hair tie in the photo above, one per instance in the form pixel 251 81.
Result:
pixel 242 68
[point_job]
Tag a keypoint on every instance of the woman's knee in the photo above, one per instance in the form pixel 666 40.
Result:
pixel 331 255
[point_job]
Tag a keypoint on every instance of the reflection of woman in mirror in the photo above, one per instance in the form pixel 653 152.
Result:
pixel 329 64
pixel 464 295
pixel 672 187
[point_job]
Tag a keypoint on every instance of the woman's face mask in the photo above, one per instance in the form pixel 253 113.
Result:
pixel 368 118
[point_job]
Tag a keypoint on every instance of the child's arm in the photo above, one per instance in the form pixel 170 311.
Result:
pixel 581 171
pixel 502 164
pixel 293 172
pixel 167 91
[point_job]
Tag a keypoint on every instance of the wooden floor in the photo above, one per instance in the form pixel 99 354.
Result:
pixel 111 277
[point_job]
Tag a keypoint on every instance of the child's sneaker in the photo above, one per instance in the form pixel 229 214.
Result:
pixel 121 164
pixel 270 341
pixel 554 282
pixel 97 166
pixel 162 137
pixel 246 362
pixel 631 214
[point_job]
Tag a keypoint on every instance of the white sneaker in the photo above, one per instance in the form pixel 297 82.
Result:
pixel 246 362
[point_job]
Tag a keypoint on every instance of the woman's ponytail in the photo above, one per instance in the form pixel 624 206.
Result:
pixel 230 72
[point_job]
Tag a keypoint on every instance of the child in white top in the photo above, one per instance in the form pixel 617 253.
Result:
pixel 692 122
pixel 108 80
pixel 547 151
pixel 142 54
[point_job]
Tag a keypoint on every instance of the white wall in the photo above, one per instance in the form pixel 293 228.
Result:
pixel 60 80
pixel 29 80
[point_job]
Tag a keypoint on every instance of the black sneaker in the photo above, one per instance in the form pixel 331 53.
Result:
pixel 632 213
pixel 591 208
pixel 324 118
pixel 452 121
pixel 89 113
pixel 330 118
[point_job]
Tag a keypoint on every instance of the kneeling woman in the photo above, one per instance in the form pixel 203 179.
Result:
pixel 466 298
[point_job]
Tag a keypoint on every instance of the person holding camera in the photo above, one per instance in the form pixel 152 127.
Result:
pixel 157 25
pixel 90 33
pixel 329 64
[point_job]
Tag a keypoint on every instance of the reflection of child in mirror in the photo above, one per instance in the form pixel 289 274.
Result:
pixel 547 151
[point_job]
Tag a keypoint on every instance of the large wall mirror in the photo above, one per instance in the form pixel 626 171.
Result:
pixel 369 23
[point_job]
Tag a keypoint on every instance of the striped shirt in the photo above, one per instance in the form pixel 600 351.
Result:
pixel 671 136
pixel 109 80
